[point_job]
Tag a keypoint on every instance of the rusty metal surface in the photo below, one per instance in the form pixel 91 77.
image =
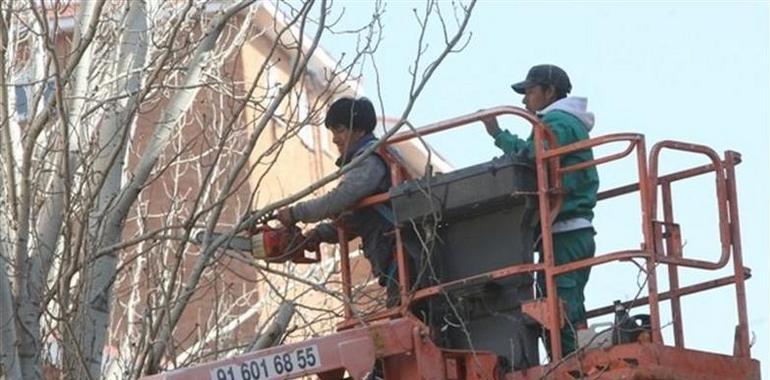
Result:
pixel 645 361
pixel 345 269
pixel 464 120
pixel 494 275
pixel 721 192
pixel 538 310
pixel 742 347
pixel 354 350
pixel 687 290
pixel 673 239
pixel 676 176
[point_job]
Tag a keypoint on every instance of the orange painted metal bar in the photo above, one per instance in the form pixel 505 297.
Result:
pixel 537 125
pixel 353 350
pixel 649 244
pixel 673 270
pixel 596 141
pixel 603 259
pixel 620 256
pixel 742 344
pixel 373 200
pixel 463 120
pixel 494 275
pixel 345 269
pixel 615 256
pixel 403 267
pixel 546 241
pixel 684 291
pixel 676 176
pixel 391 313
pixel 630 138
pixel 644 361
pixel 690 263
pixel 599 161
pixel 721 188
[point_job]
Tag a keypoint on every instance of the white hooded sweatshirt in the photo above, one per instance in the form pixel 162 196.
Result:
pixel 575 106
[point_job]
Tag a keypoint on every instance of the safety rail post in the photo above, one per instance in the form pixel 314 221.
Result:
pixel 673 270
pixel 742 347
pixel 345 269
pixel 546 243
pixel 649 244
pixel 403 270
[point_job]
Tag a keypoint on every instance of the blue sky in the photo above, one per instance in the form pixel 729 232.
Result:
pixel 689 71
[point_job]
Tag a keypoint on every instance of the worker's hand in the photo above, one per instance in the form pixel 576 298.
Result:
pixel 490 123
pixel 312 240
pixel 285 217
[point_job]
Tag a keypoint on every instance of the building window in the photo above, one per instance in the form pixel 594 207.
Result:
pixel 21 103
pixel 306 129
pixel 273 85
pixel 324 133
pixel 24 95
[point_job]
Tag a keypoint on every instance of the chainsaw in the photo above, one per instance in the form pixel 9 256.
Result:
pixel 274 244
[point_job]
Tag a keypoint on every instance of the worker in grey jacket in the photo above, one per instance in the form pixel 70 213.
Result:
pixel 351 122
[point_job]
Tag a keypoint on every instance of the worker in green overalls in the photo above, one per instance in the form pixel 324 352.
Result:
pixel 545 92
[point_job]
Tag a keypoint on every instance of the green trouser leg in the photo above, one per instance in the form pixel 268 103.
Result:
pixel 568 247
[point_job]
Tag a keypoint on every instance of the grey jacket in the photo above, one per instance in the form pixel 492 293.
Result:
pixel 368 177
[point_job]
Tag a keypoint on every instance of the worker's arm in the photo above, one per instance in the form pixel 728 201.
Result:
pixel 361 181
pixel 511 143
pixel 325 233
pixel 504 140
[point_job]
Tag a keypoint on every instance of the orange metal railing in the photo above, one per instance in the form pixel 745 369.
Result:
pixel 655 233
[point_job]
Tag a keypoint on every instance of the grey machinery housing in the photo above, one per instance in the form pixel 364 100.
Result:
pixel 464 223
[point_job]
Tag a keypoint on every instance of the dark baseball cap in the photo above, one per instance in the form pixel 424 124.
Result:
pixel 549 75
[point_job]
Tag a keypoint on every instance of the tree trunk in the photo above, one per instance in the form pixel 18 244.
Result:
pixel 278 327
pixel 10 364
pixel 102 273
pixel 94 319
pixel 9 356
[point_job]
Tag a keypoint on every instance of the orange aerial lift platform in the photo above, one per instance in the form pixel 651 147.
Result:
pixel 407 346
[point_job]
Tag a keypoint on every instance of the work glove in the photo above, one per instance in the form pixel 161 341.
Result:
pixel 490 123
pixel 312 240
pixel 285 216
